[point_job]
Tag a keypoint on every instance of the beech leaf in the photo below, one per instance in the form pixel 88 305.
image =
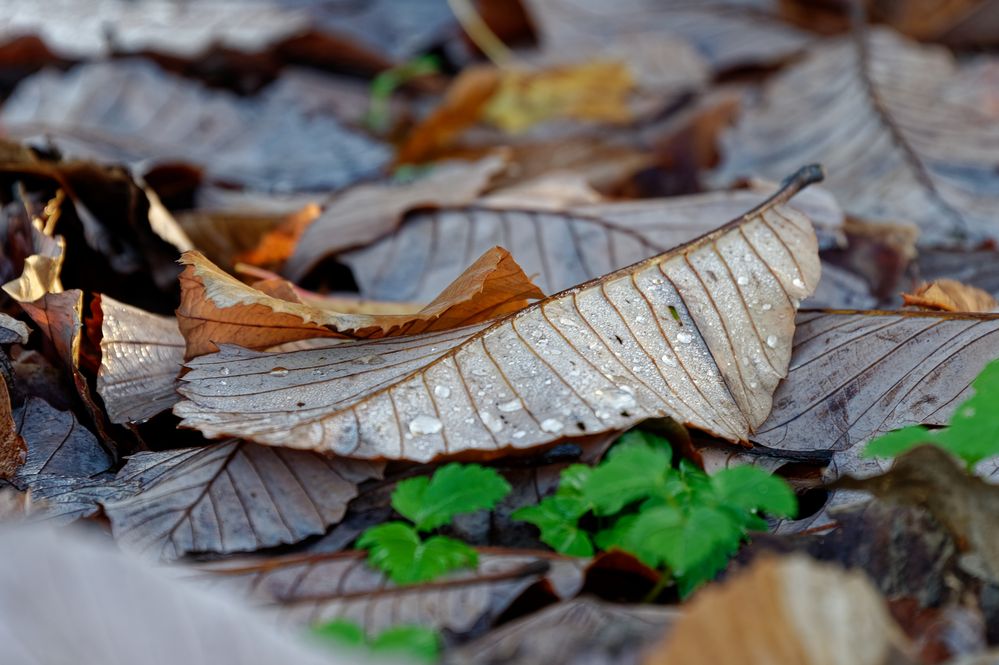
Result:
pixel 701 333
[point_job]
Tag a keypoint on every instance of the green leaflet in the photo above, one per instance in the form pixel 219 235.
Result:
pixel 454 489
pixel 396 548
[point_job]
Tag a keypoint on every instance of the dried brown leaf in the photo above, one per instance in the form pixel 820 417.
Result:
pixel 883 116
pixel 948 295
pixel 701 333
pixel 786 611
pixel 141 356
pixel 317 588
pixel 279 243
pixel 216 308
pixel 13 450
pixel 230 497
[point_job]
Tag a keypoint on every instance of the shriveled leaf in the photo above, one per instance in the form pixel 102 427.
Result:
pixel 217 309
pixel 277 148
pixel 79 586
pixel 914 151
pixel 454 489
pixel 948 295
pixel 561 248
pixel 315 588
pixel 231 497
pixel 701 333
pixel 728 33
pixel 141 356
pixel 769 614
pixel 366 212
pixel 396 549
pixel 855 375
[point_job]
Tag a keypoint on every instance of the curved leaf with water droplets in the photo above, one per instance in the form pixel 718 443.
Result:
pixel 701 334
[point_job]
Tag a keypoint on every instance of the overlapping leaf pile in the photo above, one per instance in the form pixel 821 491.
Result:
pixel 340 308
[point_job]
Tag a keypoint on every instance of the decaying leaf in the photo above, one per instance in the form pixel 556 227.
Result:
pixel 728 33
pixel 877 112
pixel 56 444
pixel 367 212
pixel 790 611
pixel 317 588
pixel 979 268
pixel 854 375
pixel 141 356
pixel 948 295
pixel 278 243
pixel 231 497
pixel 277 147
pixel 80 586
pixel 13 450
pixel 577 628
pixel 929 476
pixel 561 248
pixel 701 333
pixel 594 91
pixel 216 308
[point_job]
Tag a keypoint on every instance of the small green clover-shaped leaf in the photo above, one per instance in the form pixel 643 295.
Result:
pixel 895 443
pixel 396 549
pixel 454 489
pixel 573 478
pixel 632 471
pixel 414 641
pixel 751 488
pixel 682 541
pixel 557 517
pixel 637 437
pixel 343 632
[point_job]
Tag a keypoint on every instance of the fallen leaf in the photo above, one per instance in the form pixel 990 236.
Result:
pixel 855 375
pixel 216 308
pixel 279 243
pixel 367 212
pixel 959 23
pixel 554 191
pixel 978 268
pixel 912 153
pixel 649 340
pixel 947 295
pixel 577 628
pixel 561 248
pixel 727 33
pixel 12 331
pixel 79 585
pixel 57 444
pixel 931 477
pixel 41 266
pixel 13 450
pixel 318 588
pixel 278 147
pixel 593 91
pixel 230 497
pixel 141 356
pixel 770 614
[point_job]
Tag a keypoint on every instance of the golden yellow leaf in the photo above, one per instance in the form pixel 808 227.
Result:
pixel 948 295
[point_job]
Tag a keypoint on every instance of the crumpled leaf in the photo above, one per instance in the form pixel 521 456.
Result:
pixel 593 91
pixel 855 375
pixel 79 586
pixel 976 268
pixel 141 356
pixel 278 147
pixel 948 295
pixel 914 152
pixel 653 339
pixel 931 477
pixel 13 450
pixel 216 308
pixel 321 587
pixel 366 212
pixel 561 248
pixel 231 497
pixel 770 614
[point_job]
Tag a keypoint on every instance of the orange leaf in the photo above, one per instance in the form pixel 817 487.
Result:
pixel 948 295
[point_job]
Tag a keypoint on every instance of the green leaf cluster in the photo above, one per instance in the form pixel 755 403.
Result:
pixel 679 519
pixel 973 432
pixel 416 642
pixel 399 549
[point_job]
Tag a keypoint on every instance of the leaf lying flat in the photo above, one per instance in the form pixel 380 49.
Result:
pixel 855 375
pixel 231 497
pixel 318 588
pixel 889 121
pixel 141 356
pixel 255 143
pixel 701 334
pixel 561 248
pixel 216 308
